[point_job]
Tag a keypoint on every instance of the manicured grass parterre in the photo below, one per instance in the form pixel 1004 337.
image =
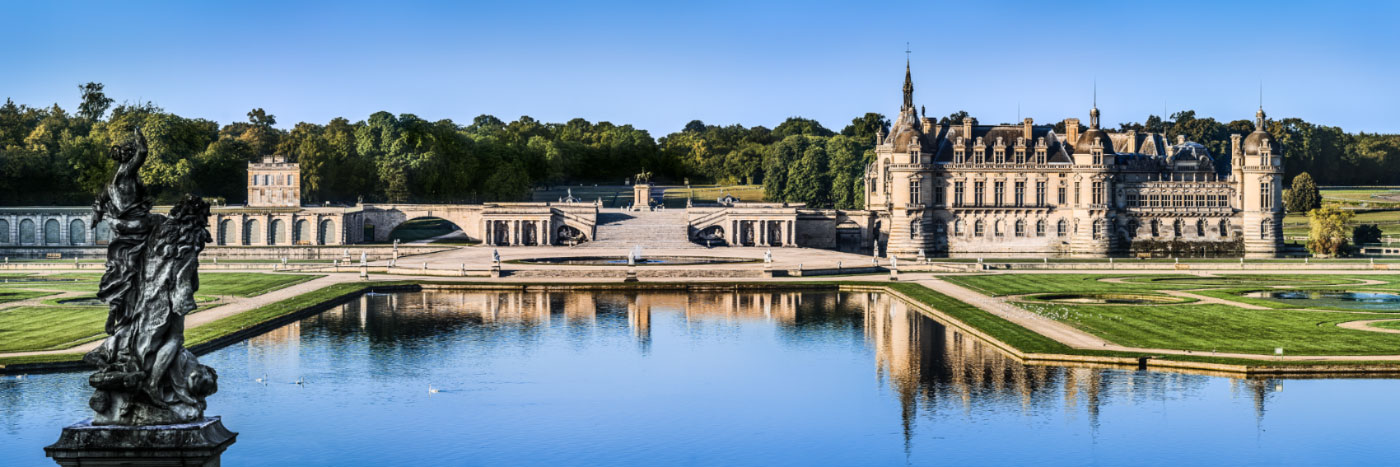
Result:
pixel 1203 327
pixel 422 229
pixel 49 327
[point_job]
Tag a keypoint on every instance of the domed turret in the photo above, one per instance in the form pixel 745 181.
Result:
pixel 1086 140
pixel 1255 140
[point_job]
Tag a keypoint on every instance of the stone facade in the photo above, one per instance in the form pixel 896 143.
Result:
pixel 274 183
pixel 969 190
pixel 779 225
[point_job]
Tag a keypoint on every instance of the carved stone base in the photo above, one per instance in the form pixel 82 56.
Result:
pixel 192 444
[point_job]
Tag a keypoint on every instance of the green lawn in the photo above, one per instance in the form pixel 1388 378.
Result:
pixel 49 327
pixel 1367 197
pixel 15 295
pixel 1203 327
pixel 1296 224
pixel 1387 325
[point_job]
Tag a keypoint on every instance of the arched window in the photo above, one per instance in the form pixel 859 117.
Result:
pixel 1265 228
pixel 1040 228
pixel 1020 228
pixel 1098 229
pixel 52 233
pixel 302 235
pixel 77 232
pixel 999 228
pixel 1201 227
pixel 1061 228
pixel 1156 227
pixel 251 234
pixel 1133 228
pixel 277 233
pixel 4 231
pixel 1176 228
pixel 977 230
pixel 225 228
pixel 327 234
pixel 1224 228
pixel 103 233
pixel 27 232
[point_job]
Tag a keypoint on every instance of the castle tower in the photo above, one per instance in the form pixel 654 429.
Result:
pixel 274 183
pixel 902 195
pixel 1261 186
pixel 1093 231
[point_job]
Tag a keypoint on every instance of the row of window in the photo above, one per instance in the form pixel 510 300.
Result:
pixel 1018 229
pixel 979 228
pixel 269 179
pixel 1018 194
pixel 1136 200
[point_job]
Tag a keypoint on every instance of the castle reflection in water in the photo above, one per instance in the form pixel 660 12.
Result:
pixel 929 366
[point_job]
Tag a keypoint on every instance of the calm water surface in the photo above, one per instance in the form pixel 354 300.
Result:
pixel 724 378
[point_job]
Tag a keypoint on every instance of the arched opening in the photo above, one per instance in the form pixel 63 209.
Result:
pixel 428 230
pixel 709 236
pixel 251 232
pixel 52 234
pixel 1176 228
pixel 1201 227
pixel 325 235
pixel 4 231
pixel 978 229
pixel 1061 228
pixel 1265 229
pixel 567 235
pixel 225 228
pixel 1224 228
pixel 277 233
pixel 1040 228
pixel 103 233
pixel 302 234
pixel 958 228
pixel 1020 228
pixel 1156 227
pixel 26 232
pixel 77 232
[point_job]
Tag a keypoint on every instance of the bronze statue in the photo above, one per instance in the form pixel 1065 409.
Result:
pixel 145 376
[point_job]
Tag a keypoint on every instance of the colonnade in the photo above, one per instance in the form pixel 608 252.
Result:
pixel 762 232
pixel 518 232
pixel 52 229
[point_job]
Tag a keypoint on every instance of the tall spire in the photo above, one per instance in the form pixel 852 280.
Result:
pixel 1094 112
pixel 1259 116
pixel 908 81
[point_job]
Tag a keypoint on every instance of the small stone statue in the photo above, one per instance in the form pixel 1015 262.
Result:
pixel 894 262
pixel 496 257
pixel 145 376
pixel 363 258
pixel 768 256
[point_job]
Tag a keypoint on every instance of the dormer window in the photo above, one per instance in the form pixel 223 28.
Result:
pixel 960 151
pixel 1097 151
pixel 979 152
pixel 1040 151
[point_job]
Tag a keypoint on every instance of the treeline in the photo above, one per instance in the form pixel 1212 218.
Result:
pixel 52 157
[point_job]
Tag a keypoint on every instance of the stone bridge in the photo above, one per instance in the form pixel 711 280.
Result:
pixel 505 224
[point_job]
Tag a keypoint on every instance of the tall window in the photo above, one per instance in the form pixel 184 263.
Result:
pixel 1176 228
pixel 1061 198
pixel 958 228
pixel 958 194
pixel 999 228
pixel 915 195
pixel 999 154
pixel 1098 229
pixel 1265 229
pixel 998 193
pixel 1061 228
pixel 1266 196
pixel 1020 193
pixel 1224 228
pixel 1039 193
pixel 1076 193
pixel 979 191
pixel 977 229
pixel 1098 193
pixel 1201 227
pixel 1020 228
pixel 1040 228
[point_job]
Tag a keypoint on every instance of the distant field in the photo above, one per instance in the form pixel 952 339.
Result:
pixel 674 196
pixel 1296 225
pixel 1369 197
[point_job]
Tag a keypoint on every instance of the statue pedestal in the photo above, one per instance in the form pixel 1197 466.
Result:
pixel 192 444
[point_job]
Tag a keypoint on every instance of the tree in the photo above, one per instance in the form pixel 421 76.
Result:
pixel 800 126
pixel 956 118
pixel 1303 195
pixel 95 102
pixel 862 129
pixel 1366 233
pixel 1327 235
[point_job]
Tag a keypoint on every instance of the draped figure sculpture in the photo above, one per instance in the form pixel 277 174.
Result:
pixel 145 376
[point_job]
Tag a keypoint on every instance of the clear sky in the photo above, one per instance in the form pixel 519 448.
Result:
pixel 658 65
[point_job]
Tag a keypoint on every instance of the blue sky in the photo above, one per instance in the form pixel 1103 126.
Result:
pixel 658 66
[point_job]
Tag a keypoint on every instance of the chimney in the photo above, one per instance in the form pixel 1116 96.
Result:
pixel 1072 130
pixel 1132 141
pixel 1235 147
pixel 1026 129
pixel 967 128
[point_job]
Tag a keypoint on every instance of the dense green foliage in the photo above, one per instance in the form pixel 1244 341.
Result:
pixel 1303 196
pixel 49 156
pixel 1365 233
pixel 1327 234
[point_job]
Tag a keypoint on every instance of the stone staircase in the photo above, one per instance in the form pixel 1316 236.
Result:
pixel 650 229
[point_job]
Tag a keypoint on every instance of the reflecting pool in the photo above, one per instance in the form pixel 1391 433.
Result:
pixel 818 378
pixel 1340 299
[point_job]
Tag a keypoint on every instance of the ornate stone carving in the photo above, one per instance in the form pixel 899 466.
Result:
pixel 145 376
